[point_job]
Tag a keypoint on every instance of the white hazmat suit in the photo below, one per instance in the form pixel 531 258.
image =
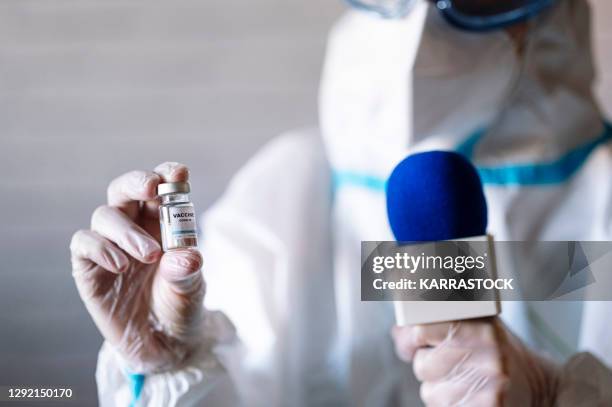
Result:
pixel 281 248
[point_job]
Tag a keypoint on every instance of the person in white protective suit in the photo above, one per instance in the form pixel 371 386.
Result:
pixel 282 322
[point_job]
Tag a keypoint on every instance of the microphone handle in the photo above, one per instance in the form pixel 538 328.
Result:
pixel 427 312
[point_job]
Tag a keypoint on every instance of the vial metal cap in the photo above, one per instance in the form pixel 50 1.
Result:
pixel 173 188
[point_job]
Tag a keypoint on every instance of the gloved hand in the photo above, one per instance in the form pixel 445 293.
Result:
pixel 475 363
pixel 147 305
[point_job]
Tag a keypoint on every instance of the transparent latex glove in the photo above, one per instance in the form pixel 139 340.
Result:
pixel 148 306
pixel 475 363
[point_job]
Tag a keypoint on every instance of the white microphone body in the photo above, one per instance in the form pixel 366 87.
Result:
pixel 427 312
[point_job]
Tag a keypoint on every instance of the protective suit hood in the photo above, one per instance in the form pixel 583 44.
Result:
pixel 417 83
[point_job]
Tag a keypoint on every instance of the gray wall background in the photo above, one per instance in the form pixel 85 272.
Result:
pixel 92 88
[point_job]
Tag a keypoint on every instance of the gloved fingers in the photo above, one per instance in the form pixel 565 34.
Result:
pixel 178 266
pixel 98 265
pixel 479 332
pixel 117 227
pixel 172 172
pixel 431 364
pixel 128 190
pixel 442 394
pixel 88 247
pixel 168 172
pixel 480 391
pixel 408 339
pixel 179 292
pixel 451 363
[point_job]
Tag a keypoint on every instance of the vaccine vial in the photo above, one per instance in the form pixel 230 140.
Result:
pixel 176 216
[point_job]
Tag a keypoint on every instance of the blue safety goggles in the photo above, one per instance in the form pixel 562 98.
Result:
pixel 472 15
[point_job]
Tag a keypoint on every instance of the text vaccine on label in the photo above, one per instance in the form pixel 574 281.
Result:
pixel 176 216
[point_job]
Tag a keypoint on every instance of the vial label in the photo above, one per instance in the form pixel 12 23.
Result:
pixel 178 227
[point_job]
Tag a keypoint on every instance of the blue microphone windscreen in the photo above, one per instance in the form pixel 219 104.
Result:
pixel 436 195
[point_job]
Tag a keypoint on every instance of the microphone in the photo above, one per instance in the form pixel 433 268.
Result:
pixel 434 196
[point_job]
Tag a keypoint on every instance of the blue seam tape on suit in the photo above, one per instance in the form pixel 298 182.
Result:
pixel 542 173
pixel 349 178
pixel 136 384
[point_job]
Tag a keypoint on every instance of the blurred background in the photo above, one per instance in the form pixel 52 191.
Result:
pixel 90 89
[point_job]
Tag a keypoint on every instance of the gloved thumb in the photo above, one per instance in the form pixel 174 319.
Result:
pixel 178 292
